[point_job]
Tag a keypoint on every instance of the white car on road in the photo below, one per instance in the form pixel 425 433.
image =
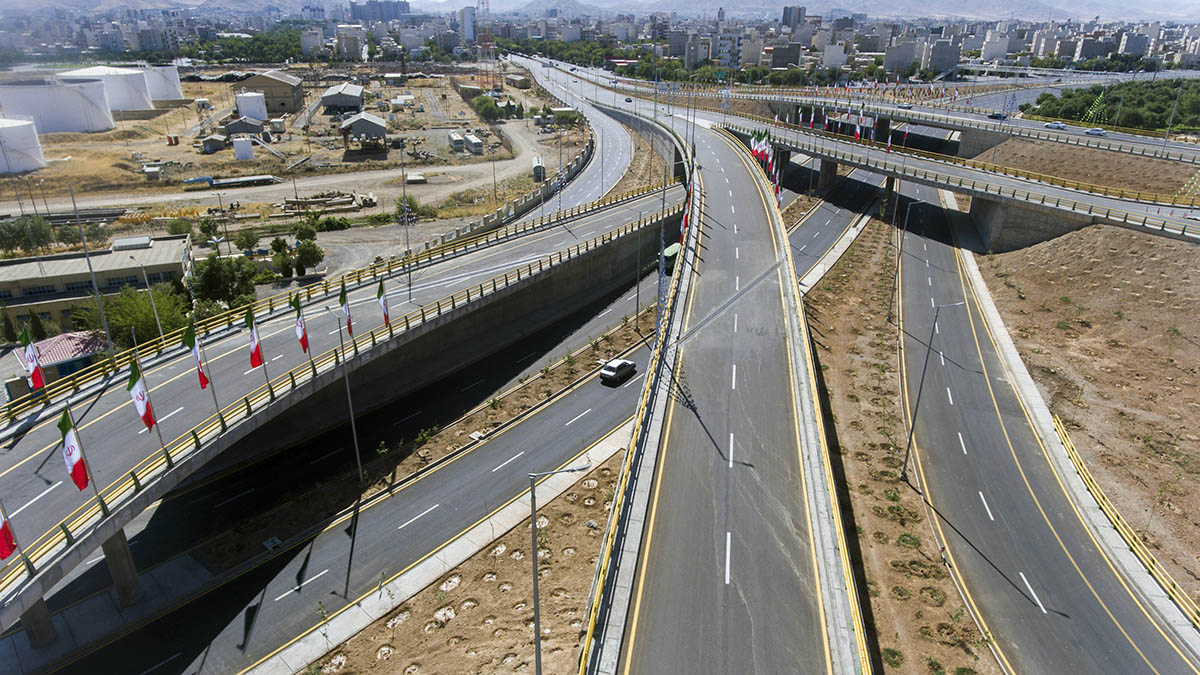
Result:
pixel 1096 131
pixel 1055 125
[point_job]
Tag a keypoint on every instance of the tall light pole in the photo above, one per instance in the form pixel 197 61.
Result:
pixel 146 278
pixel 112 353
pixel 537 617
pixel 899 249
pixel 349 401
pixel 916 406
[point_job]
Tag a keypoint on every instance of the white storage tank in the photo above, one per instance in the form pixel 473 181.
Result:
pixel 252 104
pixel 242 149
pixel 57 106
pixel 125 87
pixel 163 83
pixel 20 150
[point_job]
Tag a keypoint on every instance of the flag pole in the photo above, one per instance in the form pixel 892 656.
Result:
pixel 211 382
pixel 149 400
pixel 12 532
pixel 83 458
pixel 254 329
pixel 304 325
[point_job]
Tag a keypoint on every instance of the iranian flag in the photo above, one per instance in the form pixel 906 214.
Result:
pixel 889 148
pixel 345 303
pixel 7 543
pixel 139 394
pixel 301 329
pixel 256 358
pixel 189 341
pixel 32 368
pixel 381 297
pixel 72 453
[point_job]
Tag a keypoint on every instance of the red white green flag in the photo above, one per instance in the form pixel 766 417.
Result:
pixel 7 543
pixel 256 358
pixel 139 394
pixel 301 329
pixel 72 453
pixel 345 303
pixel 382 298
pixel 189 341
pixel 32 368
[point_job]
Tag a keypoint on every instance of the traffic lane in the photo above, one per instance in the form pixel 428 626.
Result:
pixel 727 494
pixel 237 492
pixel 33 472
pixel 1012 525
pixel 260 612
pixel 811 238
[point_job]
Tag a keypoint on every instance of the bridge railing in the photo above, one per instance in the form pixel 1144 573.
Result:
pixel 1085 208
pixel 88 515
pixel 72 384
pixel 1117 193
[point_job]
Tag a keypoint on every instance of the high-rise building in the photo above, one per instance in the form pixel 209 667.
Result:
pixel 720 14
pixel 378 10
pixel 466 23
pixel 793 16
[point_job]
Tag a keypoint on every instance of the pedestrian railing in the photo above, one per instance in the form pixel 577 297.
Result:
pixel 267 307
pixel 84 519
pixel 1177 594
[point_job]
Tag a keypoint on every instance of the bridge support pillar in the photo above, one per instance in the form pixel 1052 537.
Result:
pixel 889 197
pixel 37 624
pixel 121 568
pixel 828 174
pixel 1004 226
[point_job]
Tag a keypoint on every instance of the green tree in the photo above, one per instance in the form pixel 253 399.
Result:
pixel 520 110
pixel 279 245
pixel 226 280
pixel 36 328
pixel 306 232
pixel 209 228
pixel 37 231
pixel 485 106
pixel 246 239
pixel 6 322
pixel 131 308
pixel 283 263
pixel 308 256
pixel 11 235
pixel 179 226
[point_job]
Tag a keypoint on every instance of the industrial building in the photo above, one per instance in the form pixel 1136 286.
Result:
pixel 282 92
pixel 51 285
pixel 344 97
pixel 364 127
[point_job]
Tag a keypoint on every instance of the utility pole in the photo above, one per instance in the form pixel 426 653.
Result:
pixel 146 278
pixel 112 353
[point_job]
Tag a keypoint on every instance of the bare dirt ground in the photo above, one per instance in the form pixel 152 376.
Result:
pixel 645 167
pixel 1089 165
pixel 916 617
pixel 397 457
pixel 1106 320
pixel 478 618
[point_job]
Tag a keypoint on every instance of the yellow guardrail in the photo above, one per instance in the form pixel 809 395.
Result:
pixel 57 389
pixel 77 523
pixel 1117 193
pixel 626 466
pixel 1180 597
pixel 1144 220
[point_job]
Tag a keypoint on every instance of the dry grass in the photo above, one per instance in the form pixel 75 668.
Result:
pixel 1105 318
pixel 1089 165
pixel 918 617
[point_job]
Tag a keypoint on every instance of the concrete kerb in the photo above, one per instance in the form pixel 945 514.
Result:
pixel 833 255
pixel 322 638
pixel 1093 516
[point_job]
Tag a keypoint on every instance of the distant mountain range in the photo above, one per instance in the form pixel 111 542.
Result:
pixel 1033 10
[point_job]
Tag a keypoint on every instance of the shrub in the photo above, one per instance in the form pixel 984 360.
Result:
pixel 179 226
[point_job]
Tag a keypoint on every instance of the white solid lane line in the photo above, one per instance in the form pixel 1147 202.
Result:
pixel 727 540
pixel 573 419
pixel 731 449
pixel 474 384
pixel 240 494
pixel 737 283
pixel 960 442
pixel 296 588
pixel 277 358
pixel 632 380
pixel 31 501
pixel 985 506
pixel 397 423
pixel 410 521
pixel 733 380
pixel 731 209
pixel 949 396
pixel 160 420
pixel 505 462
pixel 735 322
pixel 1031 592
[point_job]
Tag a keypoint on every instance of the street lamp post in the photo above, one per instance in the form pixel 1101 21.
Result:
pixel 899 250
pixel 112 353
pixel 349 400
pixel 146 278
pixel 537 618
pixel 916 406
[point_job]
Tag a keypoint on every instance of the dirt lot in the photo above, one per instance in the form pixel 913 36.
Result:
pixel 479 618
pixel 1089 165
pixel 397 458
pixel 645 167
pixel 916 616
pixel 1106 320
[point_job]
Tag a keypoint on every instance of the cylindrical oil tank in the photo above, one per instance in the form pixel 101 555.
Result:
pixel 125 87
pixel 20 150
pixel 57 106
pixel 163 83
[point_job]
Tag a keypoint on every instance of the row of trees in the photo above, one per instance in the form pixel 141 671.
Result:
pixel 273 46
pixel 33 234
pixel 1141 105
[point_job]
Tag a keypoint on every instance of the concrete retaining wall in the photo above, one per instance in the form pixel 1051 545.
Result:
pixel 664 144
pixel 1006 227
pixel 975 141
